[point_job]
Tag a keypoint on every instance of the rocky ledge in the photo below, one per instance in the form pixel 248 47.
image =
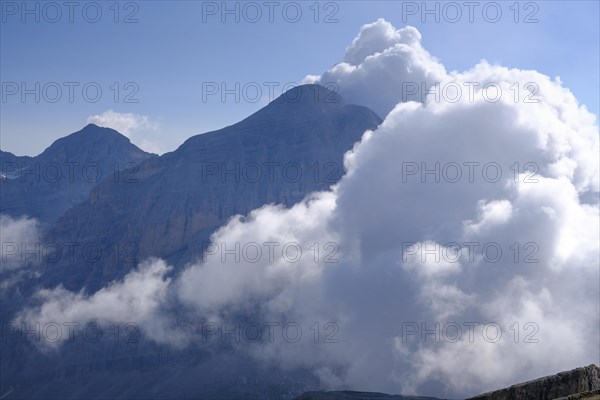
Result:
pixel 578 384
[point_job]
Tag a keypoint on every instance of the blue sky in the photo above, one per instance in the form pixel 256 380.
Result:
pixel 176 47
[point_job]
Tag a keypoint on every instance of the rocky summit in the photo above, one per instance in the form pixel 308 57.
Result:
pixel 47 185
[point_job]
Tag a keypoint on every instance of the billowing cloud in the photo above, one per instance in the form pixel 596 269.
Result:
pixel 382 66
pixel 458 254
pixel 276 259
pixel 134 126
pixel 465 210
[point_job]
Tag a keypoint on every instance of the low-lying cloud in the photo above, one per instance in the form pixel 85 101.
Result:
pixel 16 234
pixel 137 299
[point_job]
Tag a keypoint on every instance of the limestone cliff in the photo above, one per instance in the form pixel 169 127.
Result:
pixel 580 382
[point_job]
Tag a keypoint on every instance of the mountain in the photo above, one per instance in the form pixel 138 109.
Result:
pixel 45 186
pixel 170 205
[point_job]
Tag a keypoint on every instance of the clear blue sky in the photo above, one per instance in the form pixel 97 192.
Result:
pixel 171 51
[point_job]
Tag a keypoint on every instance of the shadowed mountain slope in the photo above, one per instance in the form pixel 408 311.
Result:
pixel 170 205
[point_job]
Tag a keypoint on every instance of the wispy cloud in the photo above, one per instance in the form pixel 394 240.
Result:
pixel 136 127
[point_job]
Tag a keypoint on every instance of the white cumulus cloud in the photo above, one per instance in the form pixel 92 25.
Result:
pixel 382 66
pixel 499 187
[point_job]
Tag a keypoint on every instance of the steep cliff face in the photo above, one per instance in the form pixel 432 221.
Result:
pixel 45 186
pixel 170 205
pixel 578 383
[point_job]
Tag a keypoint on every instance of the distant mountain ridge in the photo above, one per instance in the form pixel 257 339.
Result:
pixel 46 185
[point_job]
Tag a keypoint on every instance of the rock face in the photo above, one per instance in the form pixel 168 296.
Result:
pixel 170 205
pixel 47 185
pixel 583 383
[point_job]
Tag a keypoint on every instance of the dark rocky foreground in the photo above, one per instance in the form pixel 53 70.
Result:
pixel 580 383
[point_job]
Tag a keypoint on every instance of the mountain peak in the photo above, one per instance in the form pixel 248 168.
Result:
pixel 310 93
pixel 99 130
pixel 310 105
pixel 80 160
pixel 93 138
